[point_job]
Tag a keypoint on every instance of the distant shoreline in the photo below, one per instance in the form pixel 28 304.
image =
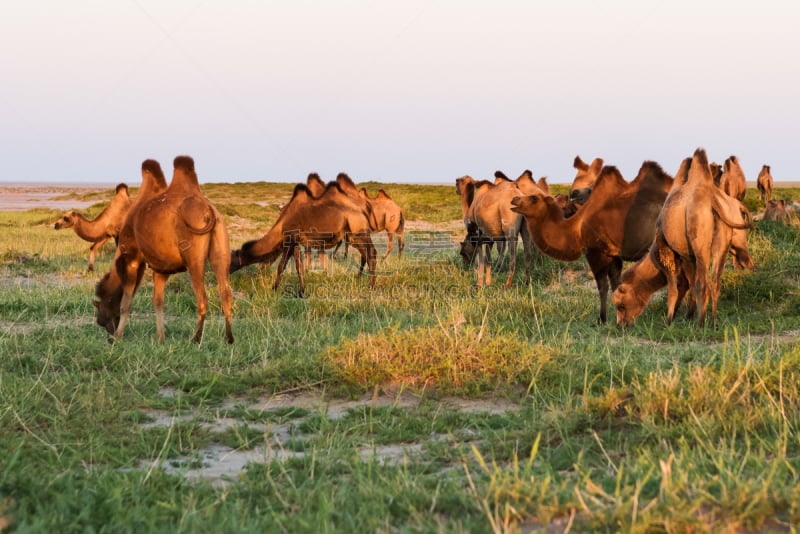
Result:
pixel 22 196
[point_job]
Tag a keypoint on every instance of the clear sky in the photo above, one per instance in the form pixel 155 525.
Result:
pixel 394 91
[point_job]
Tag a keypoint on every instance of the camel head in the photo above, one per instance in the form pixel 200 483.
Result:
pixel 108 303
pixel 628 305
pixel 587 174
pixel 531 206
pixel 67 220
pixel 461 184
pixel 468 248
pixel 716 171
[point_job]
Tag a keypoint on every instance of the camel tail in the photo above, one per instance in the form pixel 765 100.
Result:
pixel 205 229
pixel 748 219
pixel 402 224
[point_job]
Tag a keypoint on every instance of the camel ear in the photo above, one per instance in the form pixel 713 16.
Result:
pixel 580 164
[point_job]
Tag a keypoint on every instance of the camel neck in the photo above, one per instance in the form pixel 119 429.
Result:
pixel 558 237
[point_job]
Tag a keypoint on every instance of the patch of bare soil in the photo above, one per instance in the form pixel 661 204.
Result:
pixel 221 464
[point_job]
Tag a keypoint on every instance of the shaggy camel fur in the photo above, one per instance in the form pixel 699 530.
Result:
pixel 318 222
pixel 616 223
pixel 585 179
pixel 172 229
pixel 733 181
pixel 662 267
pixel 764 184
pixel 697 223
pixel 103 227
pixel 390 219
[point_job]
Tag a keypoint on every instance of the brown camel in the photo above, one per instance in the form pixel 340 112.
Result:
pixel 103 227
pixel 662 267
pixel 616 223
pixel 716 172
pixel 764 184
pixel 470 194
pixel 585 178
pixel 697 223
pixel 317 222
pixel 776 211
pixel 390 219
pixel 172 229
pixel 733 181
pixel 494 220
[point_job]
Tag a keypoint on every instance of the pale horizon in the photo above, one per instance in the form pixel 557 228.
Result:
pixel 411 92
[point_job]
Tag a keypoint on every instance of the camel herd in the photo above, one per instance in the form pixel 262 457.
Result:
pixel 678 231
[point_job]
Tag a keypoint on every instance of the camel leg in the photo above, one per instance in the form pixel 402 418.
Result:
pixel 219 253
pixel 281 266
pixel 599 263
pixel 512 261
pixel 701 289
pixel 196 268
pixel 131 275
pixel 389 244
pixel 323 260
pixel 400 245
pixel 528 250
pixel 298 264
pixel 93 251
pixel 159 282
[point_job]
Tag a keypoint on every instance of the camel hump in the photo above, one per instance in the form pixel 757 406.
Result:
pixel 197 214
pixel 123 187
pixel 579 164
pixel 382 195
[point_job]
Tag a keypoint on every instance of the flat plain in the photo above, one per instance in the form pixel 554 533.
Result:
pixel 422 405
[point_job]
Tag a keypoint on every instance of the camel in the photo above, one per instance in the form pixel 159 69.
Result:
pixel 716 172
pixel 764 184
pixel 469 196
pixel 662 267
pixel 697 223
pixel 585 179
pixel 616 223
pixel 494 220
pixel 390 219
pixel 776 211
pixel 312 222
pixel 103 227
pixel 172 229
pixel 732 180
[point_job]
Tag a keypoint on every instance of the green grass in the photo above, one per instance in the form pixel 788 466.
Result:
pixel 421 405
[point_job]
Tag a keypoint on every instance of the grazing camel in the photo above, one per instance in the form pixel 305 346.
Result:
pixel 492 216
pixel 776 211
pixel 764 184
pixel 469 196
pixel 172 229
pixel 697 223
pixel 616 223
pixel 732 180
pixel 390 219
pixel 103 227
pixel 662 267
pixel 319 222
pixel 585 179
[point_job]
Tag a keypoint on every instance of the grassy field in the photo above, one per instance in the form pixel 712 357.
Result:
pixel 419 406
